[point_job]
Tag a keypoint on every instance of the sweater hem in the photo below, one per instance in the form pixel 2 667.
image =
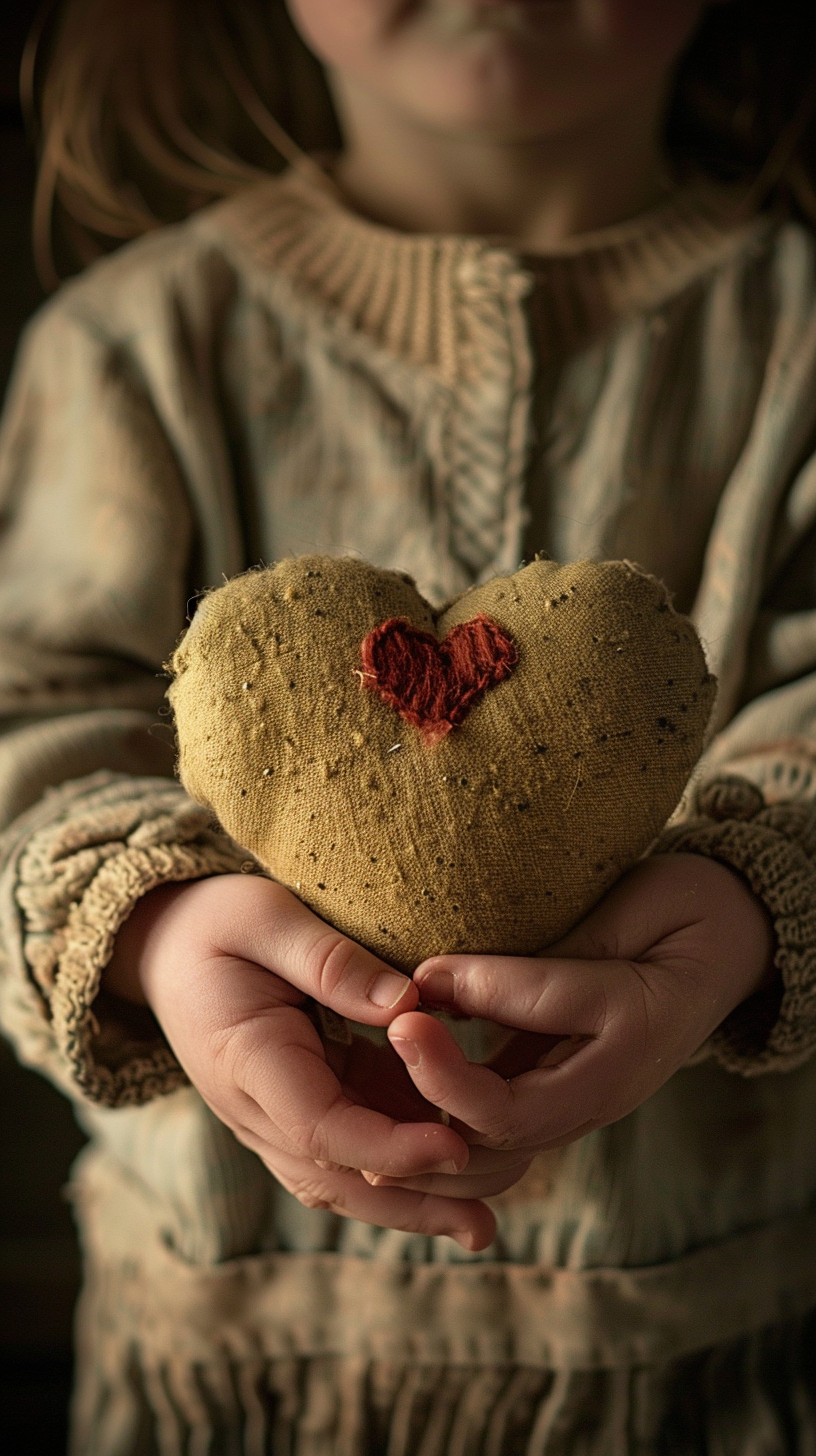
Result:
pixel 292 1305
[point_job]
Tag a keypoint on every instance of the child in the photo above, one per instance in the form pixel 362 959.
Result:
pixel 549 291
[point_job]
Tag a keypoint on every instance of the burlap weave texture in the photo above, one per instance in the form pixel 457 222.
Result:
pixel 501 835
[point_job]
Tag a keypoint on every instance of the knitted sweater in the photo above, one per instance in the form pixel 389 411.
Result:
pixel 279 375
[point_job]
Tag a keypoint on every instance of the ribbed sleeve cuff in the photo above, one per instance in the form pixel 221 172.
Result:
pixel 772 848
pixel 78 880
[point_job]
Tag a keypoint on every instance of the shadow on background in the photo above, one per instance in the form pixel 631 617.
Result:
pixel 39 1262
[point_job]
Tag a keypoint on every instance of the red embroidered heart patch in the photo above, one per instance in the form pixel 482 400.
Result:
pixel 432 684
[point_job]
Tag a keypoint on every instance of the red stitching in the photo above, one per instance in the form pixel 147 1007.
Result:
pixel 433 684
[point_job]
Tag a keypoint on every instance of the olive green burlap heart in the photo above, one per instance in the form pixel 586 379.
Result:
pixel 419 835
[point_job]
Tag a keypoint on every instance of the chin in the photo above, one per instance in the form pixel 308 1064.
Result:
pixel 495 89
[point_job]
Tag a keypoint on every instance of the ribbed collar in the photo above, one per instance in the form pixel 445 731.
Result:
pixel 406 291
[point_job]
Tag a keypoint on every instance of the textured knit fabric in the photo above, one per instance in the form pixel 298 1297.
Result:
pixel 773 848
pixel 279 376
pixel 79 878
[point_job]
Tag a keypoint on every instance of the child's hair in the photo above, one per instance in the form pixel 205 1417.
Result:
pixel 148 109
pixel 145 110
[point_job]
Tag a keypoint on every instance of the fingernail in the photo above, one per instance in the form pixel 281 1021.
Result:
pixel 450 1166
pixel 466 1239
pixel 387 989
pixel 438 989
pixel 408 1050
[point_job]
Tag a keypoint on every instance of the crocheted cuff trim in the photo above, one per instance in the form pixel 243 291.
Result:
pixel 117 1054
pixel 96 847
pixel 771 847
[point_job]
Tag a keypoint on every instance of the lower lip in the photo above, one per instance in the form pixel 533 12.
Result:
pixel 539 9
pixel 538 5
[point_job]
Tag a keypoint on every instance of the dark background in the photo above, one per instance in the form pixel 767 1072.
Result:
pixel 39 1265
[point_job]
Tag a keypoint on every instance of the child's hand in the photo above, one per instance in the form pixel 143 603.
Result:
pixel 205 957
pixel 637 987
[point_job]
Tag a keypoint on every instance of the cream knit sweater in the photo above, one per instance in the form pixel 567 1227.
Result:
pixel 277 376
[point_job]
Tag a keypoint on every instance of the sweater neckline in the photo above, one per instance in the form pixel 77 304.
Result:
pixel 696 206
pixel 406 290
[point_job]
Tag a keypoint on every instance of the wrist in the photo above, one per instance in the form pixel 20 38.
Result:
pixel 747 938
pixel 125 975
pixel 758 926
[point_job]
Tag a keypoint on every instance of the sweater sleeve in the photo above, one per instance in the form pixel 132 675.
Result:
pixel 84 857
pixel 771 842
pixel 752 800
pixel 106 510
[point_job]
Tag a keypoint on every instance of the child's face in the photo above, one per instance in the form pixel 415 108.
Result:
pixel 510 69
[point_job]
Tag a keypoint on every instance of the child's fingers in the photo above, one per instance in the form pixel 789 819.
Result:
pixel 286 937
pixel 463 1185
pixel 484 1163
pixel 470 1092
pixel 467 1221
pixel 529 1112
pixel 280 1067
pixel 354 1136
pixel 554 997
pixel 376 1077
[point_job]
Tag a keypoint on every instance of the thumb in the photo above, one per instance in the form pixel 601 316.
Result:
pixel 628 920
pixel 284 936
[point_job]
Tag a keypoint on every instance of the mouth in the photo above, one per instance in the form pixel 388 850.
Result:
pixel 469 14
pixel 488 6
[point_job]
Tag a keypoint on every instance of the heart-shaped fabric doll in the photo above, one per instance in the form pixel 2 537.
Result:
pixel 471 779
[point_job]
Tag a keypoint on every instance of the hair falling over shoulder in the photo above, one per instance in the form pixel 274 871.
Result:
pixel 146 110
